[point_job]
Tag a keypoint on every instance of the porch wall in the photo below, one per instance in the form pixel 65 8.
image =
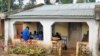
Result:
pixel 32 26
pixel 85 28
pixel 62 28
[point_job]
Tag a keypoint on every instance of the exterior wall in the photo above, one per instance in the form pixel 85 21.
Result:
pixel 85 28
pixel 32 26
pixel 62 28
pixel 1 27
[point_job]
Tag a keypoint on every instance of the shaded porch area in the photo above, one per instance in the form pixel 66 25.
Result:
pixel 71 33
pixel 33 27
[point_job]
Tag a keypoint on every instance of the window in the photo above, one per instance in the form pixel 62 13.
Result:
pixel 82 1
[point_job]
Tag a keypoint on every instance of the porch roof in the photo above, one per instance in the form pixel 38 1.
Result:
pixel 81 10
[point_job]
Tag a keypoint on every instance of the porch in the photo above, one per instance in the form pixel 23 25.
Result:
pixel 47 32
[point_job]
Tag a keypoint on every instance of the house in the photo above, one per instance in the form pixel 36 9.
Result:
pixel 72 21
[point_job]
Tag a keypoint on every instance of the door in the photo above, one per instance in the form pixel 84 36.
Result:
pixel 75 34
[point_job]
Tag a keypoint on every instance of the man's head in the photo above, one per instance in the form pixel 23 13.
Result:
pixel 27 27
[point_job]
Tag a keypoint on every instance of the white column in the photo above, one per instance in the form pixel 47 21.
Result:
pixel 47 31
pixel 93 37
pixel 6 35
pixel 12 31
pixel 74 1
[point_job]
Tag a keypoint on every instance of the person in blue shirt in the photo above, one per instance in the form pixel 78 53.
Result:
pixel 25 33
pixel 40 35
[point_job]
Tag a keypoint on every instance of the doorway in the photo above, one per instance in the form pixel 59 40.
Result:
pixel 75 34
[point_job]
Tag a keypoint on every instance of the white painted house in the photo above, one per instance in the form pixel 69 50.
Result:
pixel 71 20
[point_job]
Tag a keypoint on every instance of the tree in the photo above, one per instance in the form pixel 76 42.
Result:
pixel 82 1
pixel 28 6
pixel 15 6
pixel 59 1
pixel 66 1
pixel 47 1
pixel 32 1
pixel 6 5
pixel 91 0
pixel 3 5
pixel 20 3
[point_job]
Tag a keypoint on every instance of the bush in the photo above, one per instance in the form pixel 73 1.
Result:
pixel 31 51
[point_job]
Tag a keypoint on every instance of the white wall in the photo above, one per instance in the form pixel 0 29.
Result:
pixel 62 28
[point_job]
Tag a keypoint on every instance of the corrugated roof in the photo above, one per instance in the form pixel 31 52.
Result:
pixel 65 10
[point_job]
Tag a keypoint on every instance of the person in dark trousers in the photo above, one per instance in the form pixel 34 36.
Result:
pixel 58 35
pixel 25 33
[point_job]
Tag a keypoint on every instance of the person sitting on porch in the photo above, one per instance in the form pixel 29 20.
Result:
pixel 58 35
pixel 35 35
pixel 26 33
pixel 31 35
pixel 40 35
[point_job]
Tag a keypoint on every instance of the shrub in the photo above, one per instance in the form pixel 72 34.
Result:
pixel 28 51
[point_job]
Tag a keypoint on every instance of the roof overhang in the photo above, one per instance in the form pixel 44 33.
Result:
pixel 54 17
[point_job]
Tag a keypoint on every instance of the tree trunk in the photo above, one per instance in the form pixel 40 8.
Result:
pixel 9 5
